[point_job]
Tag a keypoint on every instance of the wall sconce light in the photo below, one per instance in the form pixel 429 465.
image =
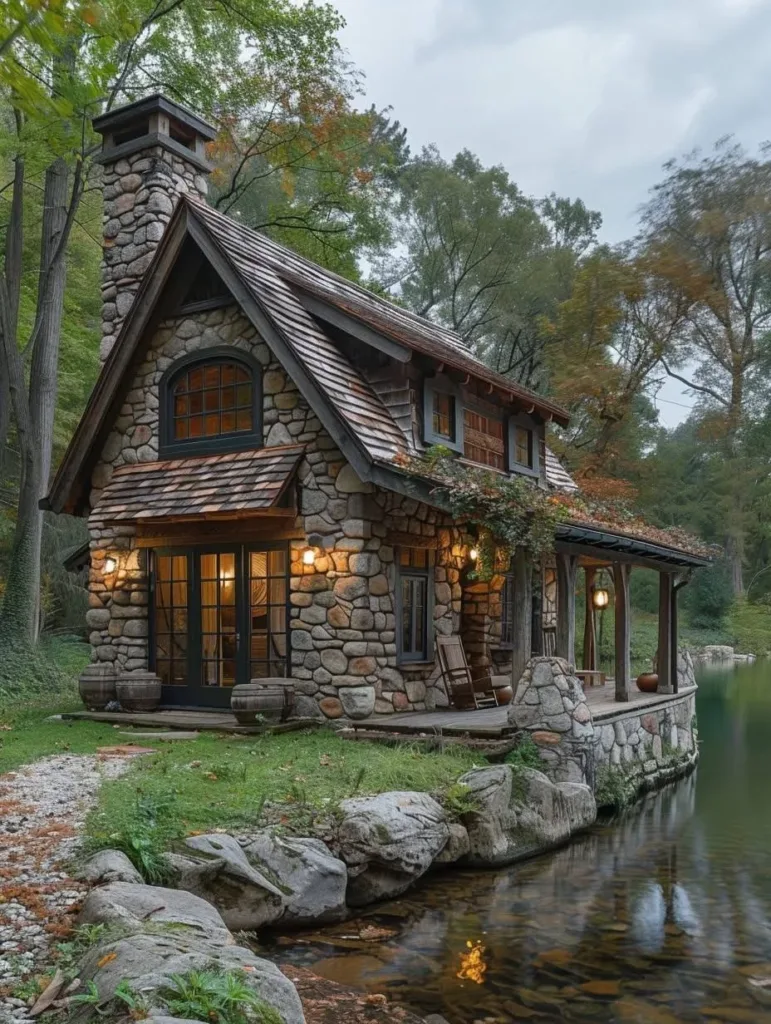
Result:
pixel 110 565
pixel 309 556
pixel 600 598
pixel 473 554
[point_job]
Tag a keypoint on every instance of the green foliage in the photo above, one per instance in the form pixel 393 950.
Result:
pixel 644 590
pixel 144 837
pixel 749 628
pixel 614 788
pixel 510 511
pixel 458 799
pixel 709 596
pixel 525 754
pixel 48 667
pixel 218 997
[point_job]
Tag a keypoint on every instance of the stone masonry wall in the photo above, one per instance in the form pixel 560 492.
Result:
pixel 645 745
pixel 343 617
pixel 139 193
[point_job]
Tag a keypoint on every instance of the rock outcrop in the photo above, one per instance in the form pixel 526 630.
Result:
pixel 388 842
pixel 520 813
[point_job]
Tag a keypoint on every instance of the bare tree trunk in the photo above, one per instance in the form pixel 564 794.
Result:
pixel 12 281
pixel 35 416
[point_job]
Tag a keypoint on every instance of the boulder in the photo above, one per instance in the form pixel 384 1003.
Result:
pixel 521 813
pixel 388 842
pixel 312 880
pixel 109 866
pixel 147 963
pixel 216 868
pixel 133 907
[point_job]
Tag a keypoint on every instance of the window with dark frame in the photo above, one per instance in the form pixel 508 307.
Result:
pixel 415 571
pixel 443 415
pixel 211 404
pixel 522 452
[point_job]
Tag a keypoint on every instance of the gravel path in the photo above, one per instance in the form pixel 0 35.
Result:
pixel 42 809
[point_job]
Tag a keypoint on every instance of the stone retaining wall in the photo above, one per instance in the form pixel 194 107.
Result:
pixel 644 746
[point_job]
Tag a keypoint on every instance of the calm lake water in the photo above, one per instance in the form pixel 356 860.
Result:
pixel 659 916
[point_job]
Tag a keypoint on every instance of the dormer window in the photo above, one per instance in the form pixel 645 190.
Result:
pixel 443 414
pixel 523 446
pixel 211 404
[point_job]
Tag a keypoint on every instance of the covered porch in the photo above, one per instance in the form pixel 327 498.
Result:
pixel 605 559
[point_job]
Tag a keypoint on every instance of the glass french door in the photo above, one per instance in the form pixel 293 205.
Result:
pixel 219 617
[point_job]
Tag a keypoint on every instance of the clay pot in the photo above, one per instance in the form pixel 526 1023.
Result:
pixel 648 682
pixel 138 691
pixel 505 695
pixel 96 685
pixel 273 699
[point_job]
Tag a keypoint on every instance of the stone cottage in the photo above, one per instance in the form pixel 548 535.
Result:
pixel 242 463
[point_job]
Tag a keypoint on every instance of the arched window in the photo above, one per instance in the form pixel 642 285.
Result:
pixel 211 402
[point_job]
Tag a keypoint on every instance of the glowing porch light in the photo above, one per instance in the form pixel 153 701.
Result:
pixel 473 554
pixel 110 565
pixel 309 556
pixel 600 598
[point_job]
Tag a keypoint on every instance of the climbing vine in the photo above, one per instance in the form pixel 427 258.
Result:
pixel 510 512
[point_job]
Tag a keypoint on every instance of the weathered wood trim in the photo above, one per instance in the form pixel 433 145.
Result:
pixel 664 663
pixel 522 614
pixel 590 635
pixel 75 465
pixel 332 315
pixel 621 573
pixel 410 540
pixel 566 606
pixel 155 535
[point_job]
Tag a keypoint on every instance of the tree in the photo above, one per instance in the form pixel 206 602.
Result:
pixel 607 342
pixel 481 259
pixel 707 237
pixel 60 64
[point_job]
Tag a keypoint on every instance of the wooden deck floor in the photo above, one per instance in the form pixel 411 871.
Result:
pixel 493 722
pixel 489 723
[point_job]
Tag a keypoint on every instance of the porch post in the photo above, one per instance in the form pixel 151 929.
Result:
pixel 523 614
pixel 590 637
pixel 673 658
pixel 665 633
pixel 566 607
pixel 623 665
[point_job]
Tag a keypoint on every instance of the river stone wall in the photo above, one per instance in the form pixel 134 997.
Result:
pixel 647 746
pixel 140 192
pixel 343 616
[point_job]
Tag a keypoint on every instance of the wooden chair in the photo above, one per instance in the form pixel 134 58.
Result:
pixel 463 690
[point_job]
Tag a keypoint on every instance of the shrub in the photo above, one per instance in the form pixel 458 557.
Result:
pixel 219 997
pixel 525 754
pixel 458 799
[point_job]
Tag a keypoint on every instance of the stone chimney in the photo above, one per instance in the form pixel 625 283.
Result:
pixel 152 151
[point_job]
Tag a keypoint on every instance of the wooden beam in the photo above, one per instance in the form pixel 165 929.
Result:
pixel 621 573
pixel 665 633
pixel 566 606
pixel 522 614
pixel 345 322
pixel 590 636
pixel 674 628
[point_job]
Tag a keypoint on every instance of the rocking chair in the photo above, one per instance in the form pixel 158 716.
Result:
pixel 463 690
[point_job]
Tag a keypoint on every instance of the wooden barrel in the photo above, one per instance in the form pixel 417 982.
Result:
pixel 96 685
pixel 248 700
pixel 287 685
pixel 138 691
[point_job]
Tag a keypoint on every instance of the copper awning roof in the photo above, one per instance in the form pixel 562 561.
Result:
pixel 236 484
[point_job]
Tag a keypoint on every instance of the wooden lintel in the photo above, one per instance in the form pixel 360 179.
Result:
pixel 205 531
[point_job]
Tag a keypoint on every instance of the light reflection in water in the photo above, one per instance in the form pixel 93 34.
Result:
pixel 663 915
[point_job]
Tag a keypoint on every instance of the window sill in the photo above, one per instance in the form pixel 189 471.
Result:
pixel 405 666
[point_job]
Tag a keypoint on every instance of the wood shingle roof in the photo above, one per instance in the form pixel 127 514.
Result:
pixel 239 483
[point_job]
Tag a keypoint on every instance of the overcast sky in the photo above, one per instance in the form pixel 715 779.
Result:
pixel 582 97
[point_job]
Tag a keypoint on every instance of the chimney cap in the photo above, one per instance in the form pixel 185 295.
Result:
pixel 121 117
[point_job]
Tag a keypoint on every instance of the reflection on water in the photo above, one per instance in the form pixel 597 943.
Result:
pixel 660 916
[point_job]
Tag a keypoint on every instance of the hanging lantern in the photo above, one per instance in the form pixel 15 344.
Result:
pixel 473 554
pixel 600 598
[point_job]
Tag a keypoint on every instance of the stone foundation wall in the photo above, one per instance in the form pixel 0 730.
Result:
pixel 342 608
pixel 641 747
